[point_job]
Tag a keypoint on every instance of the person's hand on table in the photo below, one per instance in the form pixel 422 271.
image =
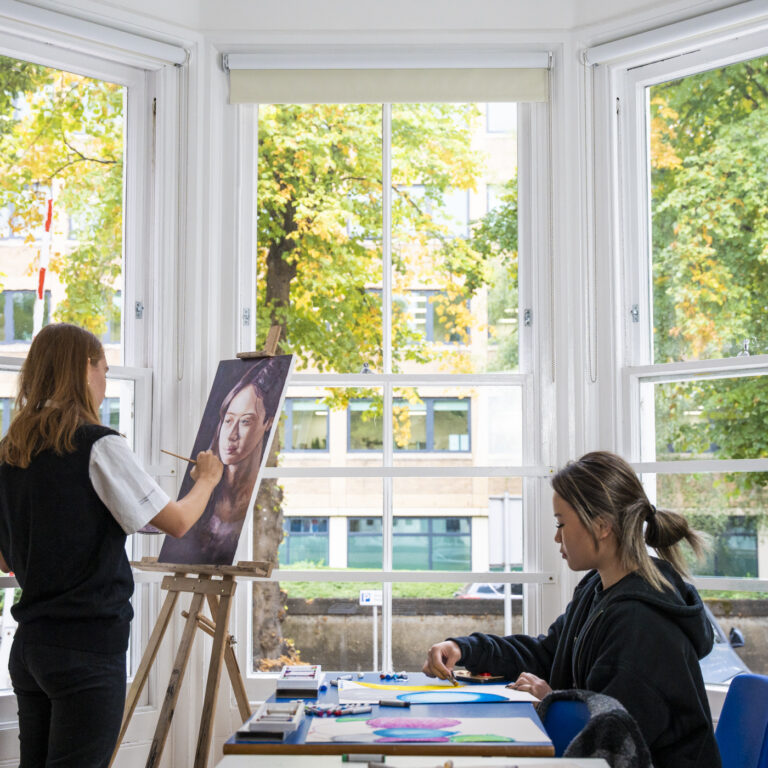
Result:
pixel 531 684
pixel 441 659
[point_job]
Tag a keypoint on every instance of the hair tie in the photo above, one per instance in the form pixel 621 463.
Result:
pixel 651 513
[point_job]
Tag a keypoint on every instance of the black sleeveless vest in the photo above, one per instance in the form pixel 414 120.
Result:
pixel 66 551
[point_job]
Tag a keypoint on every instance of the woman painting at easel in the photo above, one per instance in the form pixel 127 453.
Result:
pixel 70 492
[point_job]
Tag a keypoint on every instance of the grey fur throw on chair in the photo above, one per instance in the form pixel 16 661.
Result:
pixel 611 732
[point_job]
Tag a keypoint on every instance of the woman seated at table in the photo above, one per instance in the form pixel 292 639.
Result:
pixel 634 630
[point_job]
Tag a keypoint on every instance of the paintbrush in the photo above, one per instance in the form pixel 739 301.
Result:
pixel 176 455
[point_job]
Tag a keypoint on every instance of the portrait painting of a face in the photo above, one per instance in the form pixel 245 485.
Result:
pixel 243 406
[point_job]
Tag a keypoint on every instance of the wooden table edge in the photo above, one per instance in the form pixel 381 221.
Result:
pixel 488 749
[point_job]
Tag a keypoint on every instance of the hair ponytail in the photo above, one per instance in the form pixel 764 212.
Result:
pixel 602 486
pixel 664 530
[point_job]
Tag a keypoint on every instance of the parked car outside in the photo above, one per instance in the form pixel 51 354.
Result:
pixel 719 666
pixel 488 591
pixel 723 662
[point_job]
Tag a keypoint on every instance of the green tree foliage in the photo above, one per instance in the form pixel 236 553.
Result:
pixel 320 228
pixel 61 134
pixel 495 238
pixel 709 140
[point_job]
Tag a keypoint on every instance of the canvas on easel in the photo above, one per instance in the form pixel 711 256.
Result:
pixel 238 425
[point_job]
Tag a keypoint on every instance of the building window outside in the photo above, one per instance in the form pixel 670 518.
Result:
pixel 431 424
pixel 17 315
pixel 110 412
pixel 419 543
pixel 7 406
pixel 734 550
pixel 304 425
pixel 305 541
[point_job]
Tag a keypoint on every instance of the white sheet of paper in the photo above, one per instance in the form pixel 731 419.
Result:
pixel 355 692
pixel 409 728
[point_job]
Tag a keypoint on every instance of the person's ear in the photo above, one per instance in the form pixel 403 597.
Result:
pixel 268 423
pixel 603 529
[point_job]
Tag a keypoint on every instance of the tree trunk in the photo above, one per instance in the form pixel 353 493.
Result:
pixel 270 649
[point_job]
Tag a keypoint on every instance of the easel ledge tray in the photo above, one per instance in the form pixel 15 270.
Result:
pixel 241 568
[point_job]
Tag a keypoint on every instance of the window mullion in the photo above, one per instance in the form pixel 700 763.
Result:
pixel 388 436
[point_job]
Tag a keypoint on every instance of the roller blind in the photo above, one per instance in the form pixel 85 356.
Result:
pixel 387 77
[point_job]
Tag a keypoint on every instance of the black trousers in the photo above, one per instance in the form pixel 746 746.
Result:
pixel 70 704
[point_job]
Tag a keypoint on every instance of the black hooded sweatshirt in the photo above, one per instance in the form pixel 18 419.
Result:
pixel 631 642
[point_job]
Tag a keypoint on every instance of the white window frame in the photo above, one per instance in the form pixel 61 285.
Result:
pixel 540 574
pixel 627 114
pixel 152 217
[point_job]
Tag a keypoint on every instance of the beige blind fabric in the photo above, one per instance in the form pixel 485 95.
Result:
pixel 348 85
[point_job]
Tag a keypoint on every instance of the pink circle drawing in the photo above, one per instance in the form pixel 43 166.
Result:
pixel 413 722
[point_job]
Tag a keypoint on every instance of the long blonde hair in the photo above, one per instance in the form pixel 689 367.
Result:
pixel 602 486
pixel 54 398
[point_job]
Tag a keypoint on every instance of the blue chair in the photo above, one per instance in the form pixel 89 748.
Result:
pixel 563 720
pixel 742 730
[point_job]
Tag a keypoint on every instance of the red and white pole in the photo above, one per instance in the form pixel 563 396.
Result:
pixel 45 256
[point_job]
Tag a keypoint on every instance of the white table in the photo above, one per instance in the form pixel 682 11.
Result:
pixel 405 761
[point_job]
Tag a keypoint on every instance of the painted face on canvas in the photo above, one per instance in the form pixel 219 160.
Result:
pixel 243 427
pixel 577 544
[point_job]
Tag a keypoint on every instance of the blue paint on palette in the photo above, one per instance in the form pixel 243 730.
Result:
pixel 413 734
pixel 451 697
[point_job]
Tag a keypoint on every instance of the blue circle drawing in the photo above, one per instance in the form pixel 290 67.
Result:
pixel 450 697
pixel 413 734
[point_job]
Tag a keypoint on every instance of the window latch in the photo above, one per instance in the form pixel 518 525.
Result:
pixel 634 313
pixel 139 306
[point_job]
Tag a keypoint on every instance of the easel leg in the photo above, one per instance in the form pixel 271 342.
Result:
pixel 214 678
pixel 174 684
pixel 142 673
pixel 233 668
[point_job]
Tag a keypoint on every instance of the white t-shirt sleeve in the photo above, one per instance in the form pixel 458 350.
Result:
pixel 128 492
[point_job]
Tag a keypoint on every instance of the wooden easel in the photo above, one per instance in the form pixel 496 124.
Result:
pixel 218 592
pixel 215 584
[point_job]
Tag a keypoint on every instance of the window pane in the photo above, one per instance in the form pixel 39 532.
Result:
pixel 61 242
pixel 711 418
pixel 117 410
pixel 329 426
pixel 729 509
pixel 454 277
pixel 710 275
pixel 319 233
